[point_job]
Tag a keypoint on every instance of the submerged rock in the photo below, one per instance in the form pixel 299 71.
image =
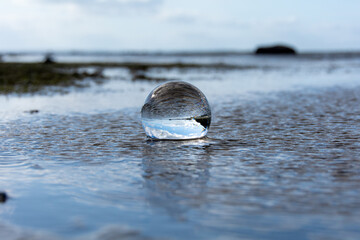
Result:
pixel 32 111
pixel 3 197
pixel 277 49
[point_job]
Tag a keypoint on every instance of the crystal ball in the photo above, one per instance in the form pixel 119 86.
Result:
pixel 176 110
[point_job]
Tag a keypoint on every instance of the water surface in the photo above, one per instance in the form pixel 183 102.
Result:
pixel 281 159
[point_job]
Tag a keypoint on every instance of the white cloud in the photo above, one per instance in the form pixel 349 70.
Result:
pixel 179 16
pixel 111 6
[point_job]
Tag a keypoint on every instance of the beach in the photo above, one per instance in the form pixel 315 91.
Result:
pixel 281 159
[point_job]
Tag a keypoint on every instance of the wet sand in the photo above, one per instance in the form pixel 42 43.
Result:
pixel 281 161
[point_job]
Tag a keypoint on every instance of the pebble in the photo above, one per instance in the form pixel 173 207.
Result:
pixel 3 197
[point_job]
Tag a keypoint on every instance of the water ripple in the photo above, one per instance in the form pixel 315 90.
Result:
pixel 265 161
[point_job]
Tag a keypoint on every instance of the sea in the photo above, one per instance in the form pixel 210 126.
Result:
pixel 281 159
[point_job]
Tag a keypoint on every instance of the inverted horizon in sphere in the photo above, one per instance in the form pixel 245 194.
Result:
pixel 176 110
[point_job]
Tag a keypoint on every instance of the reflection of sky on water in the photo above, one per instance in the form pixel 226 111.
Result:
pixel 280 161
pixel 176 183
pixel 120 93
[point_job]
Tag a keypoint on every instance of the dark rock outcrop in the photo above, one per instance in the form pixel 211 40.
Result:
pixel 277 49
pixel 48 59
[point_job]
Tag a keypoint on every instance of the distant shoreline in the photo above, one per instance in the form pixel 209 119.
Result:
pixel 333 53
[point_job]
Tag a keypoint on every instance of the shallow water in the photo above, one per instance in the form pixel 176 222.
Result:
pixel 281 160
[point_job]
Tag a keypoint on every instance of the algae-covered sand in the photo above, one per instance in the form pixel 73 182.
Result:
pixel 23 77
pixel 33 77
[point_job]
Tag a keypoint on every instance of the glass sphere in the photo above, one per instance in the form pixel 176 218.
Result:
pixel 176 110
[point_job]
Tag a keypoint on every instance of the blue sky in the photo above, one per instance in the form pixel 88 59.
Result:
pixel 178 24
